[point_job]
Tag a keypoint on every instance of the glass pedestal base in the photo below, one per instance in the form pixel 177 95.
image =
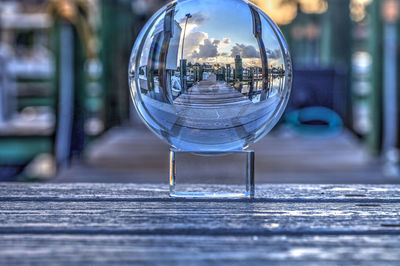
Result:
pixel 208 175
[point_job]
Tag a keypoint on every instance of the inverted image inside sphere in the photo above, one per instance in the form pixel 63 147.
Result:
pixel 209 75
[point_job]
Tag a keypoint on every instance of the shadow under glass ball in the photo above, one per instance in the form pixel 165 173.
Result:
pixel 210 75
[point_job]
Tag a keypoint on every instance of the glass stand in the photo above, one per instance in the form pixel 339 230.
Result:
pixel 207 175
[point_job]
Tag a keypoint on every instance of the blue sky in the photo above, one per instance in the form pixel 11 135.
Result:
pixel 223 28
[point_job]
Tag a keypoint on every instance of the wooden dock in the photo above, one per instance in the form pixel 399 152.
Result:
pixel 136 155
pixel 111 224
pixel 208 93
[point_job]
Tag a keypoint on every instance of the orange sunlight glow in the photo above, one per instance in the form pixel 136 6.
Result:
pixel 285 12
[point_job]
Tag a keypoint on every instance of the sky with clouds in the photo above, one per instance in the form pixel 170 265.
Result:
pixel 218 31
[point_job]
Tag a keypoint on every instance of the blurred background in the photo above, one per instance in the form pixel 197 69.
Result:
pixel 66 114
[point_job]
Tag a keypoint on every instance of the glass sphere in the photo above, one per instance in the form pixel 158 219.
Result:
pixel 209 75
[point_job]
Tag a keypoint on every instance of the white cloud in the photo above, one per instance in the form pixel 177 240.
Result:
pixel 226 41
pixel 193 40
pixel 206 50
pixel 245 51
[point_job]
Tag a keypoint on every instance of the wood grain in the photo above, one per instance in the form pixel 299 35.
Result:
pixel 150 192
pixel 106 224
pixel 198 250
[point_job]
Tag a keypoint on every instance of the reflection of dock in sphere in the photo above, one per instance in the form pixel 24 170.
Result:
pixel 212 108
pixel 212 92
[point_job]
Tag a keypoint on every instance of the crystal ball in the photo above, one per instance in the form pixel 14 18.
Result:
pixel 209 75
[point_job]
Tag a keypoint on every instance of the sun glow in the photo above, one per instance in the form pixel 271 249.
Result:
pixel 284 12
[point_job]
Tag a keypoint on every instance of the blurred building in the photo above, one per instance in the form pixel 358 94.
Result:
pixel 238 68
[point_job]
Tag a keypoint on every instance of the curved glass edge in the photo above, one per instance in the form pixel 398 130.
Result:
pixel 133 65
pixel 289 75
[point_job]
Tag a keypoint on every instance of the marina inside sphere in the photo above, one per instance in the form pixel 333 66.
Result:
pixel 210 75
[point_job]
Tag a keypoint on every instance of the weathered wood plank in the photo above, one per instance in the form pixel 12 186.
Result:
pixel 137 209
pixel 134 192
pixel 126 223
pixel 199 218
pixel 198 250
